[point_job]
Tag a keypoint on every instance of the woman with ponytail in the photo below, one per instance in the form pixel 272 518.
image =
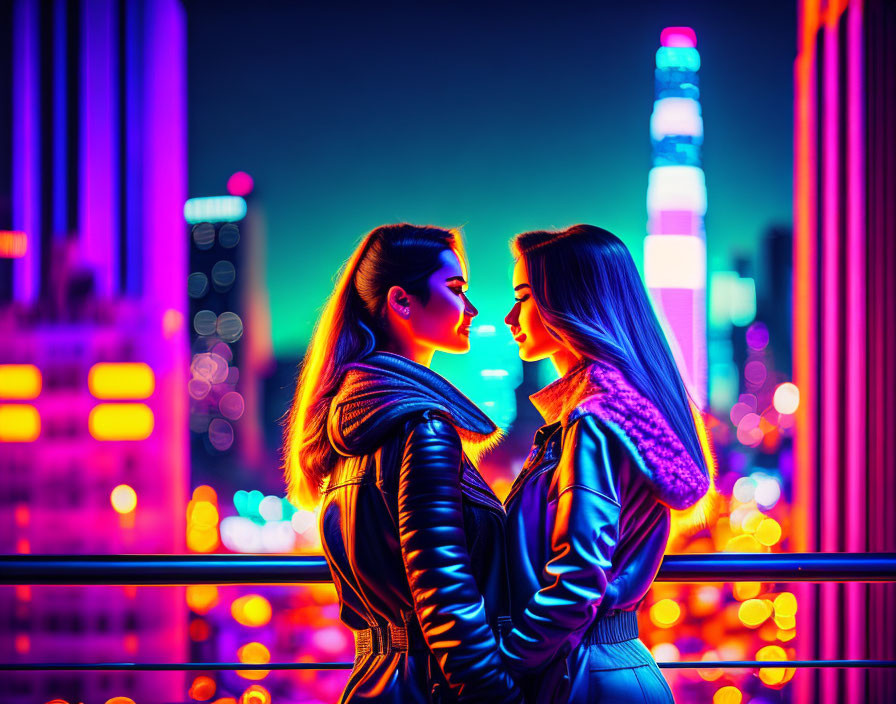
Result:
pixel 588 516
pixel 413 535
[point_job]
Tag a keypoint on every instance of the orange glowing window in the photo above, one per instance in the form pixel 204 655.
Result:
pixel 13 244
pixel 121 380
pixel 20 381
pixel 19 422
pixel 121 421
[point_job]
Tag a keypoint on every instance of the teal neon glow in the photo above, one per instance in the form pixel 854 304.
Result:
pixel 732 300
pixel 214 209
pixel 672 57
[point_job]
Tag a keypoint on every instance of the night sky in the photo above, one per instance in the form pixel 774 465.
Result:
pixel 501 117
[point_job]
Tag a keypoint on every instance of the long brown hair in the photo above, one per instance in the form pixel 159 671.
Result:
pixel 349 328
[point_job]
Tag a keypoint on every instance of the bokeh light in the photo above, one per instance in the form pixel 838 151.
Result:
pixel 727 695
pixel 665 613
pixel 204 235
pixel 754 612
pixel 201 598
pixel 220 434
pixel 223 275
pixel 197 285
pixel 768 532
pixel 123 498
pixel 229 326
pixel 755 372
pixel 204 322
pixel 229 235
pixel 785 604
pixel 253 653
pixel 768 491
pixel 251 610
pixel 255 694
pixel 786 398
pixel 199 630
pixel 232 405
pixel 202 688
pixel 240 184
pixel 757 336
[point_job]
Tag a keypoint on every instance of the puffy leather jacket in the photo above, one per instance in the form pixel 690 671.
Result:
pixel 587 522
pixel 414 538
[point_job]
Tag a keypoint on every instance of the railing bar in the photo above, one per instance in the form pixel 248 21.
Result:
pixel 174 570
pixel 191 666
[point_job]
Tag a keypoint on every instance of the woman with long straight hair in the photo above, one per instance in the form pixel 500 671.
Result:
pixel 414 537
pixel 588 516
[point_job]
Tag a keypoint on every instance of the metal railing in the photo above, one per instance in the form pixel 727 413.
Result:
pixel 173 570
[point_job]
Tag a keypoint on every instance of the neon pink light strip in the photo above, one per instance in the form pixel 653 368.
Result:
pixel 856 283
pixel 829 408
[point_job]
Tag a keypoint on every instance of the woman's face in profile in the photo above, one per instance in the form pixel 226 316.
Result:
pixel 444 322
pixel 526 325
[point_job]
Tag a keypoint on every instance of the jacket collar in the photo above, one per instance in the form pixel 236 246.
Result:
pixel 385 390
pixel 598 388
pixel 557 399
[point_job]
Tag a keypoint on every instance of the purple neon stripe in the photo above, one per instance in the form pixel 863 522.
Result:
pixel 134 127
pixel 99 177
pixel 60 119
pixel 26 148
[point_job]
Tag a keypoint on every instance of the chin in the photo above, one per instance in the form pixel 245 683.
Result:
pixel 460 346
pixel 528 355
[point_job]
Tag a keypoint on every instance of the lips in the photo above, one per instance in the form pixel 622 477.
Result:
pixel 465 331
pixel 519 339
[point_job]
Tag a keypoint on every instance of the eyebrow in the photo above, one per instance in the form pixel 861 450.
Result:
pixel 456 278
pixel 522 286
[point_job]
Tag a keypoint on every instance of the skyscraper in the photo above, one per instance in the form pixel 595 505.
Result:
pixel 675 246
pixel 93 452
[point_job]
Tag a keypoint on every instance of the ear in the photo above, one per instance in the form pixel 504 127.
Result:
pixel 399 301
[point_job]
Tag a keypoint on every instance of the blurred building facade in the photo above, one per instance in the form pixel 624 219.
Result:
pixel 844 340
pixel 93 436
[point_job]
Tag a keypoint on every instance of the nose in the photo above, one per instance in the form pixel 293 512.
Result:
pixel 470 310
pixel 513 317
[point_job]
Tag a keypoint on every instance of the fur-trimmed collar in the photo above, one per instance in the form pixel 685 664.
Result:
pixel 385 390
pixel 595 387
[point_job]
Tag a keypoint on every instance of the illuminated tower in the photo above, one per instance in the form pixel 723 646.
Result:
pixel 675 246
pixel 93 359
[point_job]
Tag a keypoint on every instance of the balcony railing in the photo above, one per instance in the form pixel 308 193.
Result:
pixel 171 570
pixel 174 570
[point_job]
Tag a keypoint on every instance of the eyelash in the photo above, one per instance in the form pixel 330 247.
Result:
pixel 521 300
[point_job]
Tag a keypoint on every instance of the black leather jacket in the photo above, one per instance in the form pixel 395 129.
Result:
pixel 414 537
pixel 587 522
